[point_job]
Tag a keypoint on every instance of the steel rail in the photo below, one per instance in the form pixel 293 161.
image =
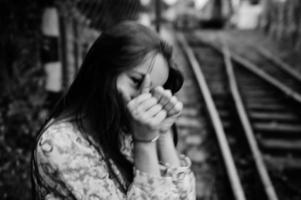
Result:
pixel 215 119
pixel 278 62
pixel 246 124
pixel 260 73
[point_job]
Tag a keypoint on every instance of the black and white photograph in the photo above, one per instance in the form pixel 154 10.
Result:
pixel 150 99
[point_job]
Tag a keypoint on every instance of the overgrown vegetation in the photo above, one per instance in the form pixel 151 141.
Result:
pixel 22 97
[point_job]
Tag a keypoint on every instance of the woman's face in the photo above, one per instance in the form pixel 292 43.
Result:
pixel 129 82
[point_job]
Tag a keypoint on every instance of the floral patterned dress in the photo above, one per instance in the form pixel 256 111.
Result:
pixel 67 166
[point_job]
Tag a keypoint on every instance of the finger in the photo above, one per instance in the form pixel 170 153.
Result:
pixel 171 103
pixel 138 100
pixel 176 110
pixel 142 97
pixel 160 117
pixel 158 92
pixel 153 111
pixel 166 96
pixel 148 103
pixel 146 84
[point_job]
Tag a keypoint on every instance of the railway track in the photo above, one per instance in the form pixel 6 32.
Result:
pixel 274 66
pixel 256 119
pixel 284 77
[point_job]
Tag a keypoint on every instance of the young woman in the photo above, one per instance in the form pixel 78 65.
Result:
pixel 109 137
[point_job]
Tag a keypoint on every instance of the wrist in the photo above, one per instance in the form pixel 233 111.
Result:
pixel 150 140
pixel 140 147
pixel 165 136
pixel 165 142
pixel 167 150
pixel 146 158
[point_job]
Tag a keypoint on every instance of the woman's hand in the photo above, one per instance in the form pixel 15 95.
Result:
pixel 147 113
pixel 165 145
pixel 170 104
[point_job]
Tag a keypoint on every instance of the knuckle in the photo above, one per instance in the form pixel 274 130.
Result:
pixel 156 89
pixel 173 99
pixel 167 93
pixel 130 105
pixel 178 107
pixel 143 97
pixel 163 113
pixel 160 88
pixel 147 95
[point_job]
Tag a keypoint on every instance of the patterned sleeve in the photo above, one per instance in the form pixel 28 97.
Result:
pixel 72 169
pixel 183 178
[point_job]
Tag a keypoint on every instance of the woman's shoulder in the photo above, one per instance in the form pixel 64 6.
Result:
pixel 62 153
pixel 59 133
pixel 62 139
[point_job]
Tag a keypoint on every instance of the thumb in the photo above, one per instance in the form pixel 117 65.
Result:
pixel 146 84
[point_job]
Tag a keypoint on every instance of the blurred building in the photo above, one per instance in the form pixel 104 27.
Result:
pixel 281 20
pixel 247 14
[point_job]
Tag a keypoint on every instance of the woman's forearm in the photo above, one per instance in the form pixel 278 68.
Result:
pixel 167 150
pixel 146 158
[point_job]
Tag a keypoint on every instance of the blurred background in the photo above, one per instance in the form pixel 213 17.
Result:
pixel 43 43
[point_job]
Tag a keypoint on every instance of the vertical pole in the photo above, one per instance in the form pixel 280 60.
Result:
pixel 63 47
pixel 69 45
pixel 76 45
pixel 158 14
pixel 50 54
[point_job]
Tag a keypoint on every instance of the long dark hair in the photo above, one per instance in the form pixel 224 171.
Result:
pixel 93 95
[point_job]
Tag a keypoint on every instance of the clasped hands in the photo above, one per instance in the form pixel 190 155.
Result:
pixel 153 111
